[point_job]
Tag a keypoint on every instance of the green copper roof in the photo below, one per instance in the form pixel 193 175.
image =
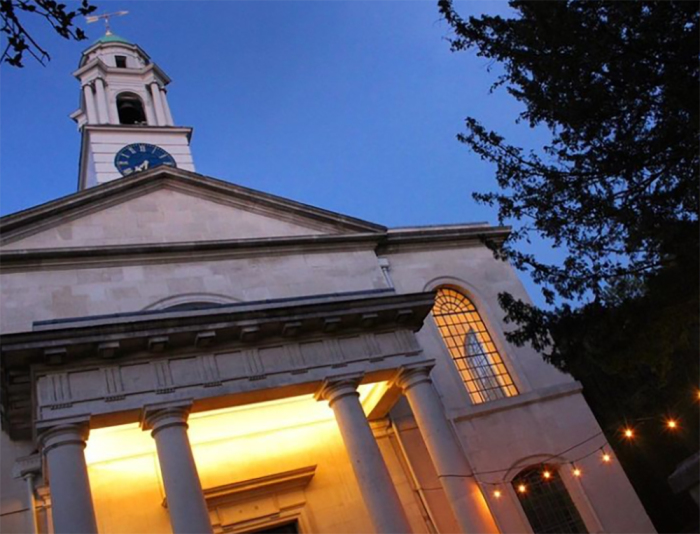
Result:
pixel 111 38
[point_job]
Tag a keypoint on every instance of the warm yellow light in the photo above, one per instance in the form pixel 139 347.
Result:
pixel 497 494
pixel 629 433
pixel 672 424
pixel 547 474
pixel 237 422
pixel 522 488
pixel 606 457
pixel 576 472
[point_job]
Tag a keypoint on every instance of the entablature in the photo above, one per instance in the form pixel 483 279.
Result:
pixel 111 366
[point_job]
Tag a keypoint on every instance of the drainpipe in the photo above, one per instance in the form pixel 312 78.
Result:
pixel 415 483
pixel 384 264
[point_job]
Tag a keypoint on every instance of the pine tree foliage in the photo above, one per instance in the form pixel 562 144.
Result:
pixel 616 189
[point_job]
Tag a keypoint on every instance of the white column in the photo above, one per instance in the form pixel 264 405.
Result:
pixel 166 106
pixel 463 492
pixel 157 104
pixel 28 468
pixel 150 111
pixel 71 501
pixel 378 491
pixel 90 104
pixel 102 112
pixel 113 111
pixel 183 490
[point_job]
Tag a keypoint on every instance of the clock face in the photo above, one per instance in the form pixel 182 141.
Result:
pixel 140 157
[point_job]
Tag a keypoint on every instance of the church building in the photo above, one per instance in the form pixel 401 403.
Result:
pixel 183 355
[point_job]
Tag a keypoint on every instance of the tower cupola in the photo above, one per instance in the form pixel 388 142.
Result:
pixel 124 116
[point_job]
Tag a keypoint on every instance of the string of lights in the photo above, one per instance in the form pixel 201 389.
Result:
pixel 548 465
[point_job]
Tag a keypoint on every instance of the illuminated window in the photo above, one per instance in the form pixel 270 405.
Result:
pixel 546 503
pixel 470 345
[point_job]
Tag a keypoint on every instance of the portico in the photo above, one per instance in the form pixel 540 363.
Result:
pixel 156 368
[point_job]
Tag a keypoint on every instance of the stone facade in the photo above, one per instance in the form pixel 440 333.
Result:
pixel 180 354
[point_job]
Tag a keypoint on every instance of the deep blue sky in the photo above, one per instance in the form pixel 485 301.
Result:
pixel 350 106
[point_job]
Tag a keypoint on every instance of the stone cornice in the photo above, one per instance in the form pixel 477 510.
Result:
pixel 517 402
pixel 277 483
pixel 15 223
pixel 383 243
pixel 80 337
pixel 119 44
pixel 349 231
pixel 242 350
pixel 435 237
pixel 147 128
pixel 97 64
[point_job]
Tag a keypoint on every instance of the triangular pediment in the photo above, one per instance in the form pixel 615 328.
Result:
pixel 168 206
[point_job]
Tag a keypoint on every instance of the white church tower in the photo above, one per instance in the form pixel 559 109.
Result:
pixel 124 116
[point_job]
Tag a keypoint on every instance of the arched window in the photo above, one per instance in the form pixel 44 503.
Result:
pixel 130 109
pixel 546 503
pixel 471 347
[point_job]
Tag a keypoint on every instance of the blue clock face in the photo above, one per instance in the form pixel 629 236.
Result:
pixel 140 157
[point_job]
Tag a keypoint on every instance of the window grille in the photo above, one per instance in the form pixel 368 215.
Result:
pixel 471 347
pixel 547 504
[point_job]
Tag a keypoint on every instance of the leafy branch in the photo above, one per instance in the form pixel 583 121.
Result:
pixel 20 41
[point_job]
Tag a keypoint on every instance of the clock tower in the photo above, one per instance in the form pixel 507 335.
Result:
pixel 124 116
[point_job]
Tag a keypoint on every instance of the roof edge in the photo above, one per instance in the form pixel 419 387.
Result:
pixel 13 222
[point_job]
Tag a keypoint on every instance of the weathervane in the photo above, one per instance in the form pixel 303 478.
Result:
pixel 105 17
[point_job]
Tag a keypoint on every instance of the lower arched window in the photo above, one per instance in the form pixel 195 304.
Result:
pixel 546 503
pixel 471 347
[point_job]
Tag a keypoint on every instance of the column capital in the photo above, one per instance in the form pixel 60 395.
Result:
pixel 336 387
pixel 25 466
pixel 69 431
pixel 413 374
pixel 156 417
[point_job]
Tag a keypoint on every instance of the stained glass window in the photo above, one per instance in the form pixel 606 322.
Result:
pixel 471 347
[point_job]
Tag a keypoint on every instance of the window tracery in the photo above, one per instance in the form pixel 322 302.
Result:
pixel 479 364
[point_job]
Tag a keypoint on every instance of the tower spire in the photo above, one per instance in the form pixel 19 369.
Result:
pixel 106 17
pixel 123 115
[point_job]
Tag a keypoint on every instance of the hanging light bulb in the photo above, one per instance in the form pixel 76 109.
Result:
pixel 576 471
pixel 546 474
pixel 606 458
pixel 522 488
pixel 497 494
pixel 671 424
pixel 628 433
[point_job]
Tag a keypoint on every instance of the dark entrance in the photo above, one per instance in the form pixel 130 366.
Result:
pixel 287 528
